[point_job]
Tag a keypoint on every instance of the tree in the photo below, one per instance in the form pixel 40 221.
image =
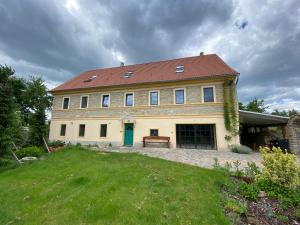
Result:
pixel 38 101
pixel 256 105
pixel 6 108
pixel 288 113
pixel 19 89
pixel 242 106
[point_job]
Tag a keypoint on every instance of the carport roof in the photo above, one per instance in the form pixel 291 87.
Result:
pixel 261 119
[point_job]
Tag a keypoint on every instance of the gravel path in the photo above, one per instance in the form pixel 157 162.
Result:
pixel 202 158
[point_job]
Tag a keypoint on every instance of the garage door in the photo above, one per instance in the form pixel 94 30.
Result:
pixel 200 136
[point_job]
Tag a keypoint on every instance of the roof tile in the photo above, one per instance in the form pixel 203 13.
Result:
pixel 161 71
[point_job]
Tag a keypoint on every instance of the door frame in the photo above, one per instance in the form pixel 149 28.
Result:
pixel 125 124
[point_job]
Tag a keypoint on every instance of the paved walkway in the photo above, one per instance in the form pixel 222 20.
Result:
pixel 197 157
pixel 202 158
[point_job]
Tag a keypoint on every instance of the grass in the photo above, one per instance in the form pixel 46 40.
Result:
pixel 77 186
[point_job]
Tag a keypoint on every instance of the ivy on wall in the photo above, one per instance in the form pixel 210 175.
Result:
pixel 230 110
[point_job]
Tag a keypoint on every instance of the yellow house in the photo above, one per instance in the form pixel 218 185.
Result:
pixel 182 99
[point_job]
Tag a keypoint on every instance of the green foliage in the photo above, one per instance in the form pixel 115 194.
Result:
pixel 282 218
pixel 279 168
pixel 256 105
pixel 29 151
pixel 18 132
pixel 285 113
pixel 236 206
pixel 252 170
pixel 19 89
pixel 5 162
pixel 6 108
pixel 56 143
pixel 230 108
pixel 241 149
pixel 297 213
pixel 38 100
pixel 249 191
pixel 37 128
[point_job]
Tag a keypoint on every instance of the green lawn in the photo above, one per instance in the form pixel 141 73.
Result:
pixel 83 187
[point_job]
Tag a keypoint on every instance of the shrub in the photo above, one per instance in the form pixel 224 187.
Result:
pixel 249 191
pixel 5 162
pixel 297 214
pixel 282 218
pixel 279 168
pixel 56 143
pixel 236 206
pixel 252 170
pixel 29 151
pixel 241 149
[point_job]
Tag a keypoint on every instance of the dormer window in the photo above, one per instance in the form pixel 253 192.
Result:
pixel 90 78
pixel 179 69
pixel 128 74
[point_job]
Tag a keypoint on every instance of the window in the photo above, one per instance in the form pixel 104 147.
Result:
pixel 63 130
pixel 154 98
pixel 179 69
pixel 153 132
pixel 105 101
pixel 66 103
pixel 84 102
pixel 208 94
pixel 103 130
pixel 129 99
pixel 179 96
pixel 81 130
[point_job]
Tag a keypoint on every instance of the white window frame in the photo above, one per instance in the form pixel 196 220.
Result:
pixel 102 100
pixel 184 95
pixel 214 92
pixel 158 97
pixel 88 99
pixel 62 105
pixel 126 93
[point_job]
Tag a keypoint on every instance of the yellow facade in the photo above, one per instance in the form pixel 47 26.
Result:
pixel 163 117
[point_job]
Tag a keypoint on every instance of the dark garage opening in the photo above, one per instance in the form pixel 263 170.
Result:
pixel 197 136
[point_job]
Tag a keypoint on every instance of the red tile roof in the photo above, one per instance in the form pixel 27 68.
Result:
pixel 162 71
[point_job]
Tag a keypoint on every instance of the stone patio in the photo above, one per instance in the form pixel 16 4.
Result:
pixel 202 158
pixel 196 157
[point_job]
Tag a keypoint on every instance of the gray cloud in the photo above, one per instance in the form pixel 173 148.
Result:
pixel 59 39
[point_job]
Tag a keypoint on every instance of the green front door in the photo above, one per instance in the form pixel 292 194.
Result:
pixel 128 136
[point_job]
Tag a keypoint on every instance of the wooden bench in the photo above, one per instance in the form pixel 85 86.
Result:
pixel 156 139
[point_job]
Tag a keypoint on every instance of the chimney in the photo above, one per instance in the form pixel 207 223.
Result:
pixel 122 64
pixel 201 53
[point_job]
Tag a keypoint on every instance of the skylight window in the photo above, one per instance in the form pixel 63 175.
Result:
pixel 179 69
pixel 90 78
pixel 128 74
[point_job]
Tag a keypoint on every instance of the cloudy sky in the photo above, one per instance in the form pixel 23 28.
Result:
pixel 61 38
